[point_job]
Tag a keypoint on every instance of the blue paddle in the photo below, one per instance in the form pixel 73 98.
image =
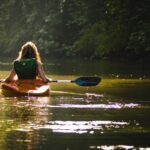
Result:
pixel 82 81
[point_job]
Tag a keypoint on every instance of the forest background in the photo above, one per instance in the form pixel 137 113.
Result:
pixel 86 29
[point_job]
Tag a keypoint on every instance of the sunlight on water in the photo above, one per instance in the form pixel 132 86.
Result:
pixel 78 127
pixel 117 147
pixel 103 106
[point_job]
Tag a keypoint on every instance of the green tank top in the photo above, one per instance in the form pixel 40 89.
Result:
pixel 26 68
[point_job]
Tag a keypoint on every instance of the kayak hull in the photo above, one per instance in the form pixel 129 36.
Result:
pixel 25 88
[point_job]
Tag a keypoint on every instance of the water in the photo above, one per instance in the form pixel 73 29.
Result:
pixel 112 115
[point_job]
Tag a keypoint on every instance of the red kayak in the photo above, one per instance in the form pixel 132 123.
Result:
pixel 25 88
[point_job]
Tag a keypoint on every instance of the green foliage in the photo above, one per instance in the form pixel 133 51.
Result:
pixel 83 28
pixel 102 40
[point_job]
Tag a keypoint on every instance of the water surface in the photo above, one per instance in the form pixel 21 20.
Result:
pixel 112 115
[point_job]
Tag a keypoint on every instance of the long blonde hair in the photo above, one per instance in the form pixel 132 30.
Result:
pixel 29 50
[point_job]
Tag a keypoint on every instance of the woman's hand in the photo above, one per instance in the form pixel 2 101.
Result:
pixel 48 80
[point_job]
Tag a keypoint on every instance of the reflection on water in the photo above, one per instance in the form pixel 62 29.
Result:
pixel 90 106
pixel 78 127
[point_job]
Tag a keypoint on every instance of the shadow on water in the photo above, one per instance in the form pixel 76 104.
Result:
pixel 112 115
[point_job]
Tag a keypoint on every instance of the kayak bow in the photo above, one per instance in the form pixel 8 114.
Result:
pixel 25 88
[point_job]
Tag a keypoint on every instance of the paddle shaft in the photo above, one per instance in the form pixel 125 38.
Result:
pixel 63 81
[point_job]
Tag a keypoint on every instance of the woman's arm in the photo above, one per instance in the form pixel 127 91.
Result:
pixel 41 72
pixel 12 76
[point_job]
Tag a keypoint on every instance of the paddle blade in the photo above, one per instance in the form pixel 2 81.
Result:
pixel 87 81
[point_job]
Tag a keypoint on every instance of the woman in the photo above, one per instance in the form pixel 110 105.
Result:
pixel 28 65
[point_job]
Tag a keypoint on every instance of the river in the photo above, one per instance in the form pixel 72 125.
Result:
pixel 112 115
